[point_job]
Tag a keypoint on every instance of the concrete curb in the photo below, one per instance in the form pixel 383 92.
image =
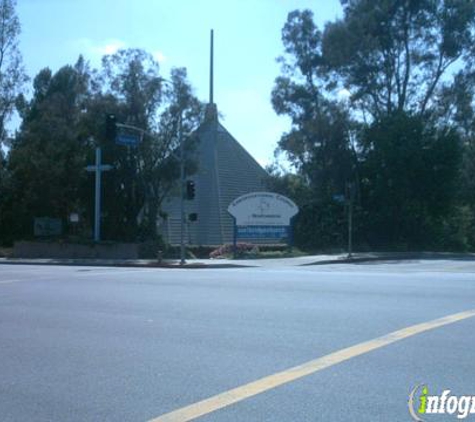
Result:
pixel 119 264
pixel 405 256
pixel 352 261
pixel 257 263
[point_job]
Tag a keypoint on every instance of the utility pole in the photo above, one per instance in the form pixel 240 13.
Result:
pixel 98 168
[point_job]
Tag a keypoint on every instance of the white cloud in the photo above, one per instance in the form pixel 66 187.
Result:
pixel 111 47
pixel 94 50
pixel 159 56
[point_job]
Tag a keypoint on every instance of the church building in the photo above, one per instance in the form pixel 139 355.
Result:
pixel 225 171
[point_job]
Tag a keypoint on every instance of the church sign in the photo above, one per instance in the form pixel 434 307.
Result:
pixel 263 215
pixel 47 227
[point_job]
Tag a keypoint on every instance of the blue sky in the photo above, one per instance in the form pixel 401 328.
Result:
pixel 247 42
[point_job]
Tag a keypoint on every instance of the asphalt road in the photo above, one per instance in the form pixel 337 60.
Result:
pixel 111 344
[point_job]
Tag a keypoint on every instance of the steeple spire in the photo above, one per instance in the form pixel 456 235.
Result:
pixel 211 112
pixel 211 70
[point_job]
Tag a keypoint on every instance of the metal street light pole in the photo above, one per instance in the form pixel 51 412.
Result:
pixel 350 230
pixel 350 188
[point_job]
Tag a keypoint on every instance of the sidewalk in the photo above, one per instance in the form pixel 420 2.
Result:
pixel 243 263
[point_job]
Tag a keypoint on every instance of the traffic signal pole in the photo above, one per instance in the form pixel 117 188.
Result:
pixel 182 190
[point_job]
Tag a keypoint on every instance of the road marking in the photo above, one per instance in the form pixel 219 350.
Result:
pixel 115 271
pixel 466 268
pixel 243 392
pixel 8 281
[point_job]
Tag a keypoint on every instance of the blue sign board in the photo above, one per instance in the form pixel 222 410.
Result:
pixel 127 140
pixel 262 232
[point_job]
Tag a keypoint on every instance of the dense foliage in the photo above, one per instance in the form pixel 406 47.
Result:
pixel 44 174
pixel 381 103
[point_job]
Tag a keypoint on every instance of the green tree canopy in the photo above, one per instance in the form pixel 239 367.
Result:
pixel 395 55
pixel 47 157
pixel 409 179
pixel 130 86
pixel 382 97
pixel 12 73
pixel 64 122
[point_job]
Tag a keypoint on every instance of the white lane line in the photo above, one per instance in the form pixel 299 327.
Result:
pixel 114 272
pixel 9 281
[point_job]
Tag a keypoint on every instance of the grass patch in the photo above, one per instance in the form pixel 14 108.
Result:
pixel 289 253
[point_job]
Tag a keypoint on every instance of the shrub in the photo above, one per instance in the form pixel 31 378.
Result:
pixel 242 250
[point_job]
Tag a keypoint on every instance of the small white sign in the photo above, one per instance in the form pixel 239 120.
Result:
pixel 263 209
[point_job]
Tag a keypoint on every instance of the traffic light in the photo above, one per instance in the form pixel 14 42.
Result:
pixel 111 128
pixel 193 216
pixel 190 189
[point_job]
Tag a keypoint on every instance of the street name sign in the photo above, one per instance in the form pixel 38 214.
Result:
pixel 127 140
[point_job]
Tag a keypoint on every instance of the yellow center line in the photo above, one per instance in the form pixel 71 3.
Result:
pixel 243 392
